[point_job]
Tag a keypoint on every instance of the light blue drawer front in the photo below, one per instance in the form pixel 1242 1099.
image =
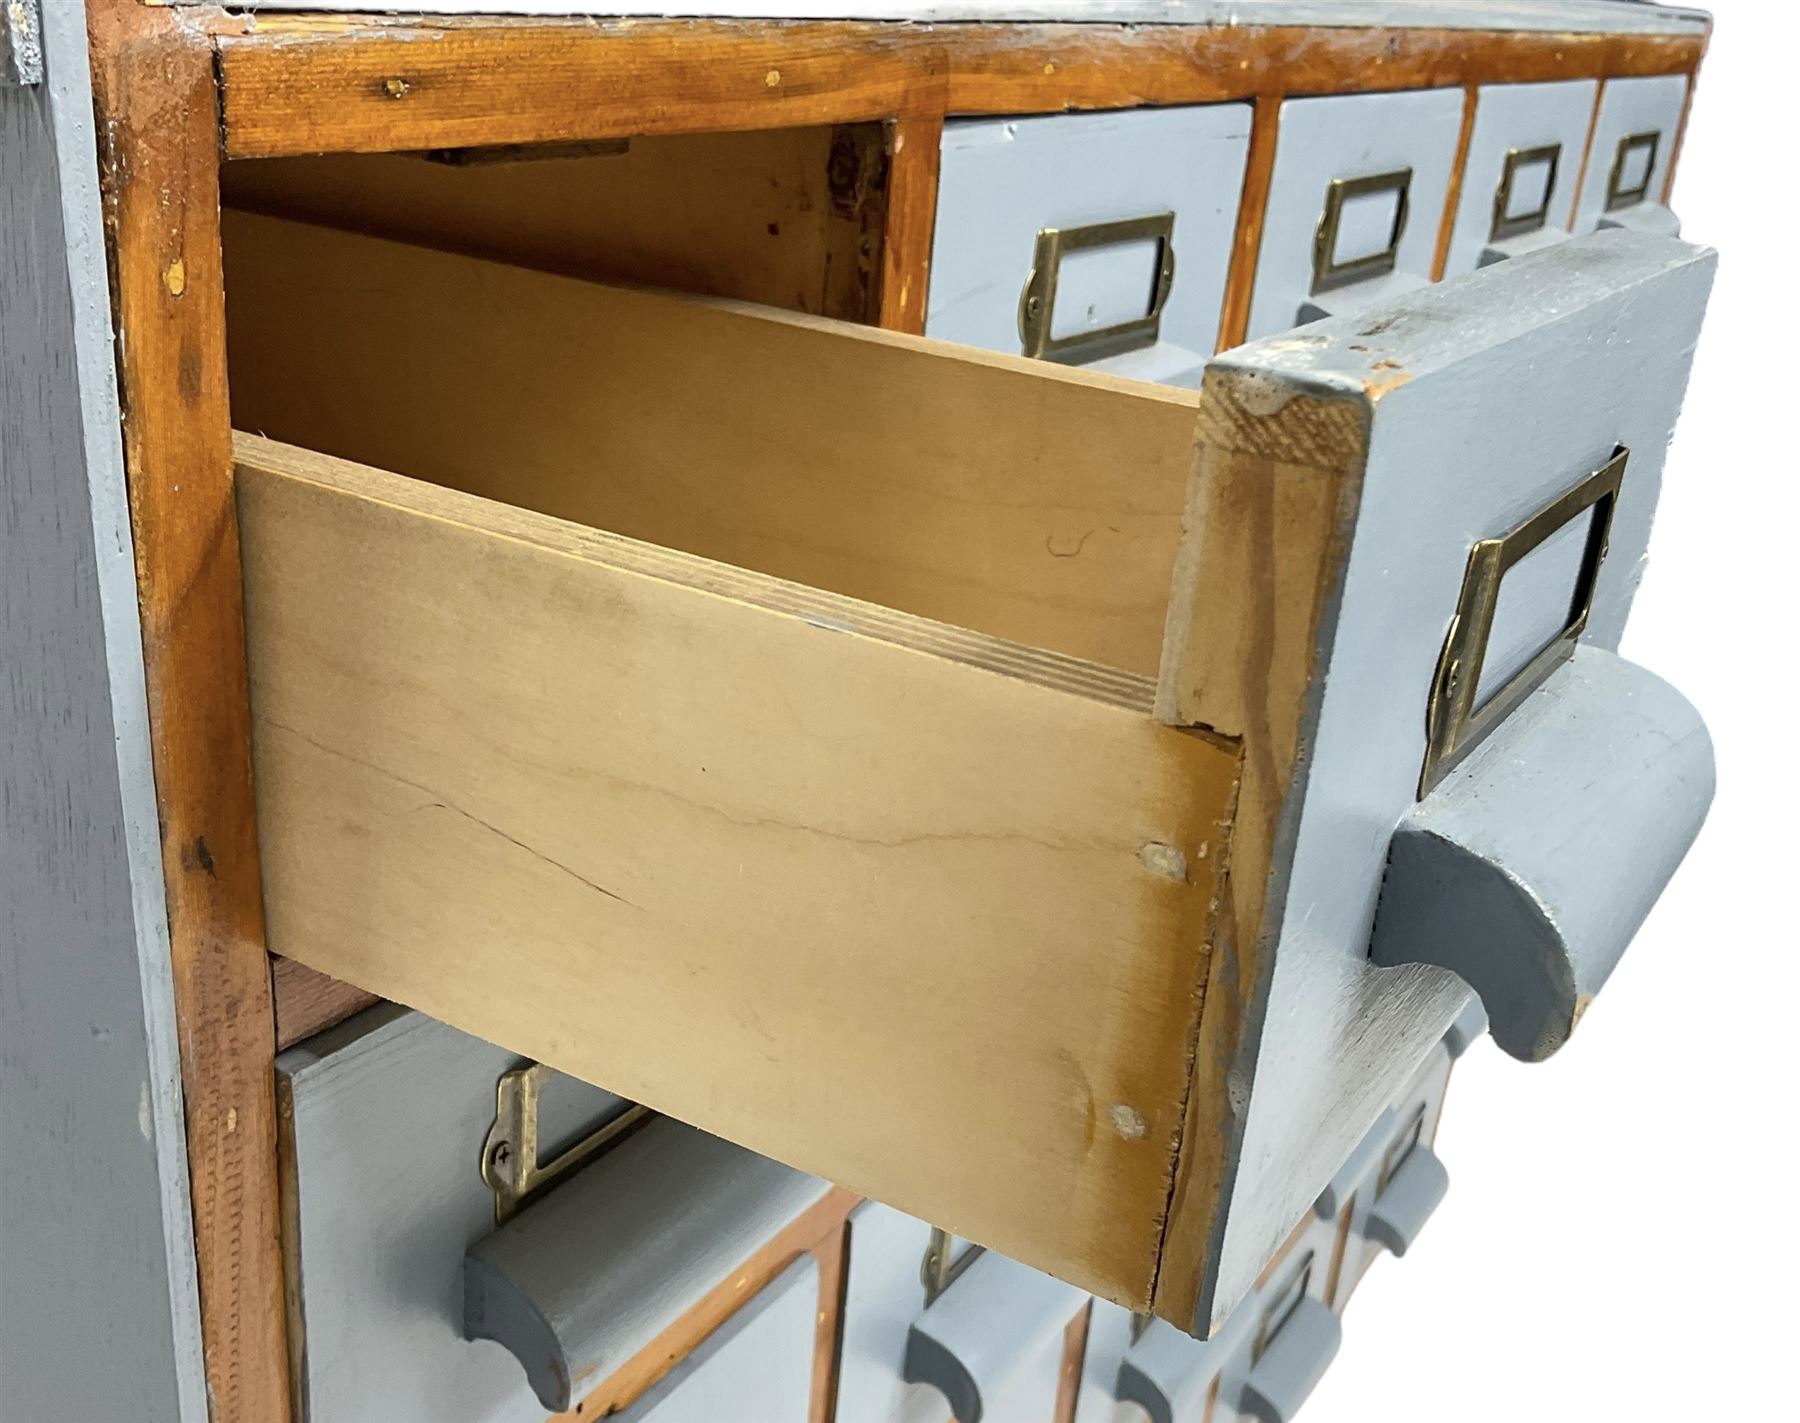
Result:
pixel 1006 181
pixel 1524 166
pixel 1387 158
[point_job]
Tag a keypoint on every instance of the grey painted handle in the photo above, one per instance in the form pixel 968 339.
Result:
pixel 1291 1367
pixel 1399 1213
pixel 1530 867
pixel 997 1318
pixel 578 1283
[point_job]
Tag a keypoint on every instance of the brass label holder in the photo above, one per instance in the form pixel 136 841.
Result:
pixel 1328 273
pixel 1037 303
pixel 510 1163
pixel 1505 224
pixel 1455 722
pixel 1617 194
pixel 943 1265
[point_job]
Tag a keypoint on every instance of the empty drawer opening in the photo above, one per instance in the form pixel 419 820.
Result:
pixel 1012 499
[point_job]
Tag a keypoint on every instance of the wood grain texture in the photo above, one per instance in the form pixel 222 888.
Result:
pixel 1035 503
pixel 1459 172
pixel 821 1233
pixel 308 1002
pixel 850 860
pixel 788 217
pixel 1068 1382
pixel 1282 475
pixel 154 76
pixel 1259 175
pixel 1587 153
pixel 308 84
pixel 915 146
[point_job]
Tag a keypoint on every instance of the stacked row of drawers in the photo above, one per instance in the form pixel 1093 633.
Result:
pixel 1100 239
pixel 1107 239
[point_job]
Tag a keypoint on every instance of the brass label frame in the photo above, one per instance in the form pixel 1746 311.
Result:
pixel 1618 197
pixel 1037 303
pixel 1330 274
pixel 942 1267
pixel 509 1153
pixel 1454 723
pixel 1539 217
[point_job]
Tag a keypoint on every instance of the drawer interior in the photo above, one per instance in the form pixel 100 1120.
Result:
pixel 745 712
pixel 1015 499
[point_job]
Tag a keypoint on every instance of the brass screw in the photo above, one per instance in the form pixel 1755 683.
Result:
pixel 395 88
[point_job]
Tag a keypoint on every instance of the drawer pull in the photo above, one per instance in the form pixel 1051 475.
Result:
pixel 1037 303
pixel 584 1281
pixel 1328 272
pixel 1460 709
pixel 509 1156
pixel 1528 870
pixel 1622 190
pixel 1407 1200
pixel 1506 222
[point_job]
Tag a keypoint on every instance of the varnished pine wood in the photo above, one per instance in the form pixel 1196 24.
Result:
pixel 1253 210
pixel 1687 109
pixel 306 84
pixel 1074 1355
pixel 1243 629
pixel 1587 153
pixel 154 77
pixel 307 1002
pixel 821 1233
pixel 788 217
pixel 915 148
pixel 1016 498
pixel 1459 172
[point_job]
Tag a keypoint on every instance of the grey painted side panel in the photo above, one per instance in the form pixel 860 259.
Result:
pixel 1350 136
pixel 1518 381
pixel 1602 16
pixel 1530 867
pixel 1004 179
pixel 99 1309
pixel 575 1285
pixel 1521 116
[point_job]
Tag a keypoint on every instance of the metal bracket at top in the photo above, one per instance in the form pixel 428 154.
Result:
pixel 21 45
pixel 509 1156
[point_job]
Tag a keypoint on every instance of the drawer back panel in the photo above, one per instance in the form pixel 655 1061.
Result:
pixel 1013 498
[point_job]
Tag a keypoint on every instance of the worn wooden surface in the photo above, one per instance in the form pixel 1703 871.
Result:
pixel 159 169
pixel 1554 15
pixel 308 1002
pixel 99 1307
pixel 308 84
pixel 788 217
pixel 851 860
pixel 1035 503
pixel 914 146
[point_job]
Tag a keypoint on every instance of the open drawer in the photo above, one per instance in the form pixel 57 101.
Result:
pixel 901 759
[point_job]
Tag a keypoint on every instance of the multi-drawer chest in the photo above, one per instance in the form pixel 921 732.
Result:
pixel 746 717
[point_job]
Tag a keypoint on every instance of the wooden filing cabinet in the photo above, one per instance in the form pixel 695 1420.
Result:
pixel 756 569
